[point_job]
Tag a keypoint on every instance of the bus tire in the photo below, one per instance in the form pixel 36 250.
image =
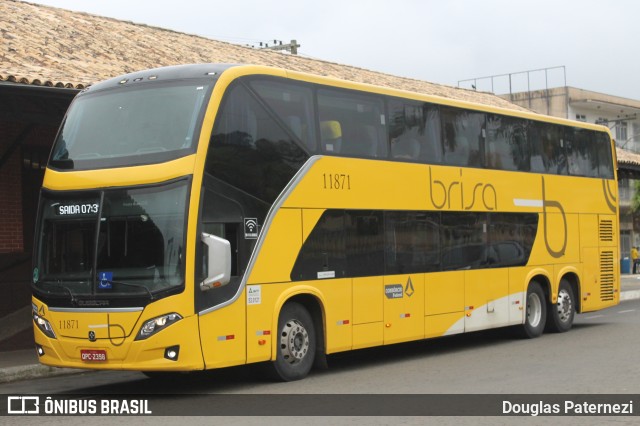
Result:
pixel 296 343
pixel 535 313
pixel 560 315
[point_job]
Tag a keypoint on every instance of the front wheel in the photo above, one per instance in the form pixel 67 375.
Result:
pixel 296 343
pixel 536 312
pixel 560 315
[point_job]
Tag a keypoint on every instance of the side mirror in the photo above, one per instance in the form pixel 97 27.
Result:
pixel 218 262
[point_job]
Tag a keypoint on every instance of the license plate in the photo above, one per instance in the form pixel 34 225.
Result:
pixel 93 355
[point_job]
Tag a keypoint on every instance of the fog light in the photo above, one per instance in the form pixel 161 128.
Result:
pixel 172 353
pixel 40 350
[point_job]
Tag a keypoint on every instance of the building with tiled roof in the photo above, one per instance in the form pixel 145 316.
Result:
pixel 59 48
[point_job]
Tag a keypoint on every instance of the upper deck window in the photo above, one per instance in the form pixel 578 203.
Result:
pixel 414 131
pixel 129 126
pixel 351 124
pixel 252 147
pixel 463 139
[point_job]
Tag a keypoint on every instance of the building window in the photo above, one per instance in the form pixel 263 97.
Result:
pixel 624 189
pixel 581 117
pixel 621 131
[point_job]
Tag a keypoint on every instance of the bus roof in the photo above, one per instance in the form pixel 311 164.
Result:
pixel 213 70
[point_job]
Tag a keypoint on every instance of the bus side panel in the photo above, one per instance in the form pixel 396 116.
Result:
pixel 557 239
pixel 443 324
pixel 444 303
pixel 608 231
pixel 223 335
pixel 338 313
pixel 261 320
pixel 279 249
pixel 444 292
pixel 590 297
pixel 589 291
pixel 368 294
pixel 486 298
pixel 588 230
pixel 601 285
pixel 518 283
pixel 403 308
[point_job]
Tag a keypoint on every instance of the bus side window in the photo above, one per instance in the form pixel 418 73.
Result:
pixel 547 146
pixel 365 243
pixel 508 238
pixel 352 124
pixel 414 130
pixel 463 137
pixel 582 154
pixel 412 242
pixel 507 147
pixel 464 241
pixel 293 105
pixel 605 159
pixel 323 254
pixel 245 132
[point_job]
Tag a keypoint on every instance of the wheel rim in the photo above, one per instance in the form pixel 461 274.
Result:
pixel 564 306
pixel 294 342
pixel 534 309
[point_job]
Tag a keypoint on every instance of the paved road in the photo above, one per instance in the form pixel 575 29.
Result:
pixel 601 355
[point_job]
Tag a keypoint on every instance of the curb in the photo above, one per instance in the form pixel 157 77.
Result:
pixel 34 371
pixel 630 295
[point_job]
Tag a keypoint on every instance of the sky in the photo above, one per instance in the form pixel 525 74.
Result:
pixel 595 43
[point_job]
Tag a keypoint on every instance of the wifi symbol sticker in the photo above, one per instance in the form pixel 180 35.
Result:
pixel 250 228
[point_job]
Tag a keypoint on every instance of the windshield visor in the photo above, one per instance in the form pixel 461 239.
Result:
pixel 130 126
pixel 113 242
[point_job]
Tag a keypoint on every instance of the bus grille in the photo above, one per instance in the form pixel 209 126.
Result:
pixel 606 276
pixel 606 231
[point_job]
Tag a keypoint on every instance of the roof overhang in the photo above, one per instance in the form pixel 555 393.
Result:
pixel 25 88
pixel 612 108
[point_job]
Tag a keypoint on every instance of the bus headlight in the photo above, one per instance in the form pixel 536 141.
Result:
pixel 154 325
pixel 44 326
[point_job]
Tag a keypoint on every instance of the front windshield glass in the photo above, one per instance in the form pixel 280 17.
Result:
pixel 130 125
pixel 133 239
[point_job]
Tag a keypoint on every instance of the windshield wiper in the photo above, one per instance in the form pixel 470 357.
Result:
pixel 57 284
pixel 151 296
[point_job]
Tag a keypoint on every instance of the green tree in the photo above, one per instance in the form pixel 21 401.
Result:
pixel 635 200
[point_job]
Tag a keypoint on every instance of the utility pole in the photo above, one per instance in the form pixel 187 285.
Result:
pixel 277 45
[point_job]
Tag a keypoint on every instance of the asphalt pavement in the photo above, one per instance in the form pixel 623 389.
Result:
pixel 17 363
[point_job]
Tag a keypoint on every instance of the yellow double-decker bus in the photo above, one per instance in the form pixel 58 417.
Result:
pixel 205 216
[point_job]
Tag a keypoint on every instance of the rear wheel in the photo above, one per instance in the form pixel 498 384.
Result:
pixel 536 312
pixel 296 343
pixel 560 315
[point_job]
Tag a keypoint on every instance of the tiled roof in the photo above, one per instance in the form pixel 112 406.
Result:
pixel 54 47
pixel 627 158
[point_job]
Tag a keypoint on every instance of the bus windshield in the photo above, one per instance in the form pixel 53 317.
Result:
pixel 151 123
pixel 132 238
